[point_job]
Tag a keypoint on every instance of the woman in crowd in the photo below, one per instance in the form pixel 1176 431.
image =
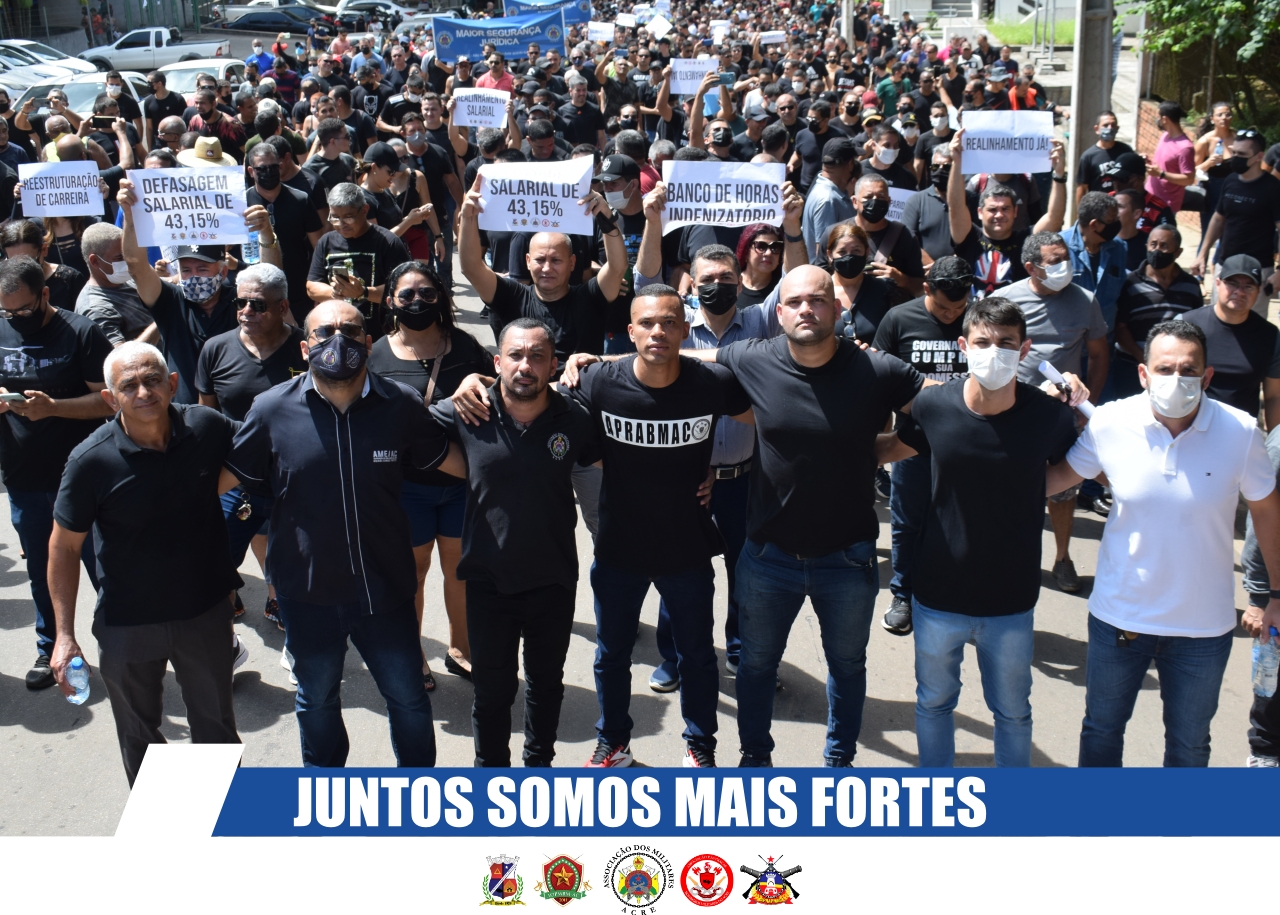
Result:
pixel 863 299
pixel 760 254
pixel 404 214
pixel 23 237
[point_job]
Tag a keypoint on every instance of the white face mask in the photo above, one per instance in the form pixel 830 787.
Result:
pixel 413 98
pixel 114 91
pixel 118 274
pixel 910 133
pixel 993 366
pixel 1057 276
pixel 887 156
pixel 1174 396
pixel 257 49
pixel 938 122
pixel 616 199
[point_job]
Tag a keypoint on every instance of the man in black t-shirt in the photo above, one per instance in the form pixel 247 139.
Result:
pixel 295 221
pixel 1089 175
pixel 987 433
pixel 160 104
pixel 923 333
pixel 53 357
pixel 333 164
pixel 619 180
pixel 1248 213
pixel 894 254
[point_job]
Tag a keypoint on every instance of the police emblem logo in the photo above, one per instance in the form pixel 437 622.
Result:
pixel 701 429
pixel 771 886
pixel 501 886
pixel 328 358
pixel 562 881
pixel 638 876
pixel 707 880
pixel 553 33
pixel 558 445
pixel 444 39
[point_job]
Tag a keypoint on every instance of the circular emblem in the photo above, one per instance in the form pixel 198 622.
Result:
pixel 701 429
pixel 353 358
pixel 558 445
pixel 585 6
pixel 553 33
pixel 444 39
pixel 707 880
pixel 639 875
pixel 328 358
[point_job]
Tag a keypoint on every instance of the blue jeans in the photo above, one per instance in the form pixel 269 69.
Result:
pixel 32 516
pixel 445 267
pixel 1005 645
pixel 1190 673
pixel 619 593
pixel 316 637
pixel 772 585
pixel 241 533
pixel 729 509
pixel 909 496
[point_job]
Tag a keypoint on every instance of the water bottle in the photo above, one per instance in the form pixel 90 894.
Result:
pixel 1266 662
pixel 250 251
pixel 78 678
pixel 1217 149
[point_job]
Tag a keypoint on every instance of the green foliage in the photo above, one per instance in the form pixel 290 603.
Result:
pixel 1022 33
pixel 1176 25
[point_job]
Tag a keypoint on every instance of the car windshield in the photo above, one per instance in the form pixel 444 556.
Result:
pixel 184 81
pixel 16 58
pixel 43 51
pixel 80 96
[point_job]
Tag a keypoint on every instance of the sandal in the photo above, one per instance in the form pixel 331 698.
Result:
pixel 239 607
pixel 451 664
pixel 428 681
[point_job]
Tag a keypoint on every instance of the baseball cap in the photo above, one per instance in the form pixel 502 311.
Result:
pixel 878 62
pixel 618 168
pixel 529 88
pixel 540 109
pixel 871 116
pixel 1131 163
pixel 839 151
pixel 210 254
pixel 755 113
pixel 869 99
pixel 1241 265
pixel 383 154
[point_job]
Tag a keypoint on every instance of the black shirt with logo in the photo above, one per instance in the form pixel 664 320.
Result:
pixel 236 376
pixel 996 262
pixel 1251 210
pixel 373 256
pixel 913 334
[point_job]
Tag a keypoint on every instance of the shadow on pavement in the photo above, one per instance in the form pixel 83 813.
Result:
pixel 46 711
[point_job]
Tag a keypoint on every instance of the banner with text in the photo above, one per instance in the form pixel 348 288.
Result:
pixel 1007 141
pixel 536 197
pixel 575 11
pixel 778 37
pixel 60 189
pixel 600 31
pixel 189 206
pixel 480 108
pixel 687 75
pixel 898 198
pixel 512 35
pixel 722 194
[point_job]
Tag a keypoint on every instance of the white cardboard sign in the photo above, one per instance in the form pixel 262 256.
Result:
pixel 189 206
pixel 480 108
pixel 1007 141
pixel 722 194
pixel 627 20
pixel 898 198
pixel 600 31
pixel 687 75
pixel 658 26
pixel 778 37
pixel 60 189
pixel 536 196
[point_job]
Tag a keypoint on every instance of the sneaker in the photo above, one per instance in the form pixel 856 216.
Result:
pixel 897 619
pixel 609 757
pixel 287 663
pixel 1093 504
pixel 242 654
pixel 1262 762
pixel 272 612
pixel 696 757
pixel 40 676
pixel 1064 574
pixel 882 483
pixel 731 665
pixel 237 607
pixel 831 762
pixel 747 761
pixel 665 678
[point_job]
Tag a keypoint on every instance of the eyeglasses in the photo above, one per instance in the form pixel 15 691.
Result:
pixel 257 306
pixel 349 220
pixel 767 247
pixel 323 332
pixel 10 314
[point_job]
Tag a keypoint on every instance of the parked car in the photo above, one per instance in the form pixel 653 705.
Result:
pixel 181 77
pixel 38 53
pixel 17 77
pixel 291 18
pixel 223 11
pixel 384 7
pixel 83 89
pixel 147 49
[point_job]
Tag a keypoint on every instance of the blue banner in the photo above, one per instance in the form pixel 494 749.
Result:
pixel 458 37
pixel 730 803
pixel 575 11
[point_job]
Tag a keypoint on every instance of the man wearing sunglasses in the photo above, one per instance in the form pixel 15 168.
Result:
pixel 327 447
pixel 160 104
pixel 497 77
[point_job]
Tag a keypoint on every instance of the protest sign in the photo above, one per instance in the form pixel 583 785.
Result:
pixel 189 206
pixel 60 189
pixel 898 198
pixel 600 31
pixel 662 6
pixel 536 197
pixel 642 11
pixel 659 27
pixel 778 37
pixel 458 37
pixel 480 108
pixel 1007 141
pixel 575 11
pixel 687 75
pixel 722 194
pixel 719 30
pixel 627 20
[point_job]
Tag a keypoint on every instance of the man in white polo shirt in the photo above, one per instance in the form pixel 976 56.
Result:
pixel 1177 462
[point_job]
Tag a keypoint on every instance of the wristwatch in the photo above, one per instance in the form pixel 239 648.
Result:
pixel 1061 179
pixel 1275 595
pixel 274 243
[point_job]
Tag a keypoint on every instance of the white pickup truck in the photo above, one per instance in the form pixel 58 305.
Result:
pixel 147 49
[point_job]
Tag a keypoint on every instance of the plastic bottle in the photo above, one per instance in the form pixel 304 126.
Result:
pixel 1266 663
pixel 250 251
pixel 1217 148
pixel 78 678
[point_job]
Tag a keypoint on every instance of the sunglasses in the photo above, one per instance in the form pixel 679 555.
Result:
pixel 786 107
pixel 1247 134
pixel 767 247
pixel 426 294
pixel 257 306
pixel 952 285
pixel 323 332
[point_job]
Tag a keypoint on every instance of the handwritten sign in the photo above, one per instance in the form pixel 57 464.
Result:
pixel 898 198
pixel 60 189
pixel 687 75
pixel 1007 141
pixel 722 194
pixel 600 31
pixel 536 196
pixel 480 108
pixel 189 206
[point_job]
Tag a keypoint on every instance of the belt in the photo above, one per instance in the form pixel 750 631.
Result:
pixel 732 471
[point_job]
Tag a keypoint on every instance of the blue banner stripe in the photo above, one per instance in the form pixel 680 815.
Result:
pixel 575 11
pixel 456 37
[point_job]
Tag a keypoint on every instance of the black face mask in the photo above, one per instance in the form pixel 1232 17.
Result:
pixel 1159 260
pixel 267 176
pixel 338 357
pixel 850 265
pixel 1239 164
pixel 627 123
pixel 418 315
pixel 939 177
pixel 4 107
pixel 721 136
pixel 874 209
pixel 718 298
pixel 1109 230
pixel 968 96
pixel 28 325
pixel 851 110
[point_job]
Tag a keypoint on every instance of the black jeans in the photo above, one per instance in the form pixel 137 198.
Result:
pixel 132 661
pixel 496 622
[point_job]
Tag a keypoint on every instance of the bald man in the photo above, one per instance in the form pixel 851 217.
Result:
pixel 170 133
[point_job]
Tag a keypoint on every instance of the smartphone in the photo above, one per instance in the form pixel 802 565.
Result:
pixel 288 35
pixel 728 78
pixel 706 42
pixel 13 398
pixel 619 52
pixel 41 102
pixel 103 121
pixel 339 270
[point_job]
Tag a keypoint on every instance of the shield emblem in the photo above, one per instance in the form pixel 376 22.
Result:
pixel 706 879
pixel 508 888
pixel 500 883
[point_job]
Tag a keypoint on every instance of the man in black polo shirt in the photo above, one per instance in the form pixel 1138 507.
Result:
pixel 340 557
pixel 148 481
pixel 519 558
pixel 53 357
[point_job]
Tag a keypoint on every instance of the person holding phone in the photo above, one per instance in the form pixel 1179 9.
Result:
pixel 618 90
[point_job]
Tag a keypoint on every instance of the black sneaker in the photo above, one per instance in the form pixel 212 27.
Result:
pixel 747 761
pixel 897 619
pixel 883 484
pixel 1064 575
pixel 40 676
pixel 696 757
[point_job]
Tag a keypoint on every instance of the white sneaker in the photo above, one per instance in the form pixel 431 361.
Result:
pixel 286 661
pixel 242 654
pixel 1262 762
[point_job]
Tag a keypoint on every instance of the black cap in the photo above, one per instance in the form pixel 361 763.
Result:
pixel 210 253
pixel 655 64
pixel 383 154
pixel 878 62
pixel 839 151
pixel 529 88
pixel 1241 265
pixel 618 168
pixel 950 267
pixel 1131 163
pixel 755 113
pixel 543 108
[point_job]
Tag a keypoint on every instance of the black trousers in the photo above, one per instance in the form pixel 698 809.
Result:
pixel 496 622
pixel 1264 716
pixel 132 661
